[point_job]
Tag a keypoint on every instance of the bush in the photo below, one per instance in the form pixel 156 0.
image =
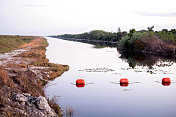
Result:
pixel 132 42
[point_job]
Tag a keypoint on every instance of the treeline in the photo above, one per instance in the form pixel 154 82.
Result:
pixel 149 42
pixel 168 36
pixel 96 35
pixel 146 41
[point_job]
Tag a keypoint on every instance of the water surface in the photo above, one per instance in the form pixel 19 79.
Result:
pixel 102 96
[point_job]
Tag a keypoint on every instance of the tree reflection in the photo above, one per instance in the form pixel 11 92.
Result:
pixel 136 59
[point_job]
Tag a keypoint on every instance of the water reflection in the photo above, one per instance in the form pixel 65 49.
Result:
pixel 80 85
pixel 96 43
pixel 107 97
pixel 166 83
pixel 133 59
pixel 69 111
pixel 124 84
pixel 103 69
pixel 136 59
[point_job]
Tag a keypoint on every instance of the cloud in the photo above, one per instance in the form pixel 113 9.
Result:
pixel 33 5
pixel 171 14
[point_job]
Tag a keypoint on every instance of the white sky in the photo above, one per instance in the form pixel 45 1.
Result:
pixel 47 17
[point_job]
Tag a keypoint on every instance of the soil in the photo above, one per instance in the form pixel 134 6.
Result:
pixel 25 70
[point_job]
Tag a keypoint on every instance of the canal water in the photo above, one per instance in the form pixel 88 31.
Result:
pixel 102 69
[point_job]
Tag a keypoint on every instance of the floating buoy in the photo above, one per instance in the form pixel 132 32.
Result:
pixel 124 82
pixel 80 81
pixel 80 85
pixel 166 80
pixel 166 83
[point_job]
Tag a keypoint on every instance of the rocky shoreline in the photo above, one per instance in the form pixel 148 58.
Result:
pixel 36 105
pixel 23 75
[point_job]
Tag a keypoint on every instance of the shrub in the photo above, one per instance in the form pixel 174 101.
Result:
pixel 130 43
pixel 139 45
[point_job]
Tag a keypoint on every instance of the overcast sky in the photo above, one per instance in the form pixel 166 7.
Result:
pixel 47 17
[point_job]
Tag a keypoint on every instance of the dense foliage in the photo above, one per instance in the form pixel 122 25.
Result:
pixel 168 36
pixel 147 41
pixel 96 35
pixel 132 40
pixel 136 40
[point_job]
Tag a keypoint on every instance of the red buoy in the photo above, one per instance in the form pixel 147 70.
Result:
pixel 124 81
pixel 80 81
pixel 166 80
pixel 123 84
pixel 80 85
pixel 166 83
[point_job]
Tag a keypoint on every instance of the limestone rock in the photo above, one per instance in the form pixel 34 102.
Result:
pixel 20 98
pixel 43 105
pixel 37 106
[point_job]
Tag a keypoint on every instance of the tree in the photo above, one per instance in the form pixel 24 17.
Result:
pixel 150 28
pixel 165 30
pixel 118 30
pixel 132 31
pixel 173 31
pixel 119 34
pixel 150 31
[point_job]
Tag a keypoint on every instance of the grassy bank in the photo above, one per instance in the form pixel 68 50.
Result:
pixel 25 72
pixel 9 43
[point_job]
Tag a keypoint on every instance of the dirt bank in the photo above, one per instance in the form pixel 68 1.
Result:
pixel 23 75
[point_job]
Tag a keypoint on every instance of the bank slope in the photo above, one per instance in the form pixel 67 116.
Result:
pixel 23 75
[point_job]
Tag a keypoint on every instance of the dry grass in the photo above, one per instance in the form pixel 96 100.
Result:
pixel 38 58
pixel 9 43
pixel 4 78
pixel 158 47
pixel 153 41
pixel 53 104
pixel 20 80
pixel 57 71
pixel 6 90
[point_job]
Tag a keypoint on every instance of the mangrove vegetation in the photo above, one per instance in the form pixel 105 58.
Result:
pixel 162 43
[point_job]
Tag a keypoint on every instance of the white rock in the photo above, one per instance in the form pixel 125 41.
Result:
pixel 20 98
pixel 43 105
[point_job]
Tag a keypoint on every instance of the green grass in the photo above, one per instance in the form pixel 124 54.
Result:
pixel 9 43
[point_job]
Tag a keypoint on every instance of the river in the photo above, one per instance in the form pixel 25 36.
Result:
pixel 102 69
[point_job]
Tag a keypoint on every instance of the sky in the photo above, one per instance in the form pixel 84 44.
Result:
pixel 53 17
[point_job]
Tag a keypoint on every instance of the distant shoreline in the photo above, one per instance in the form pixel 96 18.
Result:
pixel 160 43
